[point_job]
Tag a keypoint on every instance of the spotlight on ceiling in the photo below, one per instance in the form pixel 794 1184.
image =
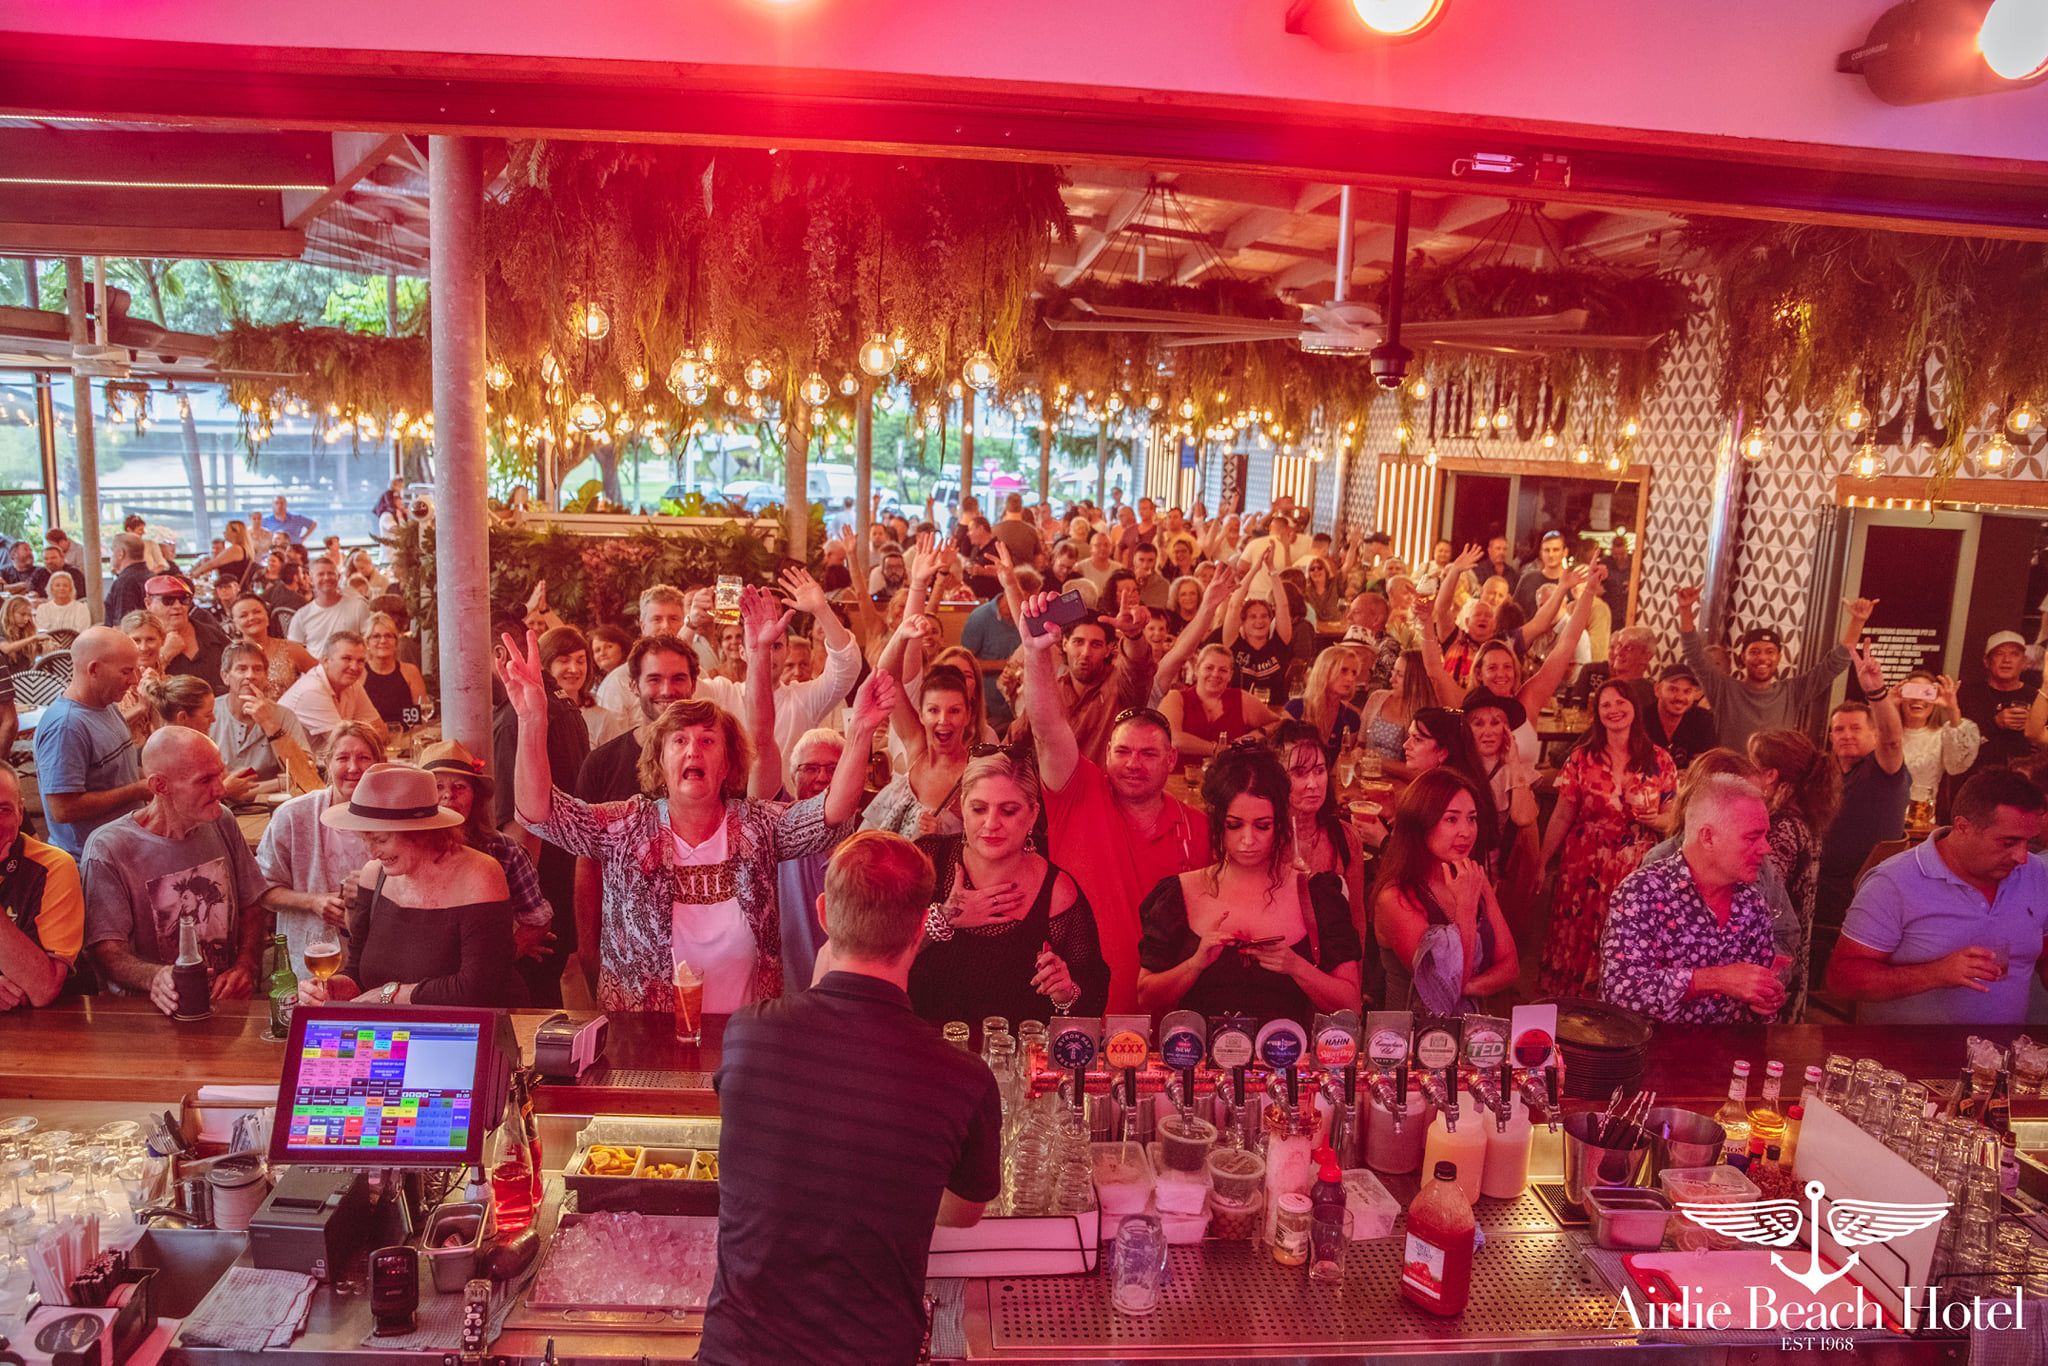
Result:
pixel 1359 23
pixel 1924 50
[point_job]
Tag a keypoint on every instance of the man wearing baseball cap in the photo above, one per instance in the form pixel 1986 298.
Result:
pixel 1998 701
pixel 1678 722
pixel 1758 697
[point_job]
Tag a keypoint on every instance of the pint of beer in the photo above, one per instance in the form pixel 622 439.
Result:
pixel 689 985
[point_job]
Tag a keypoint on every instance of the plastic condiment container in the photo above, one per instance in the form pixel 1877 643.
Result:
pixel 1389 1151
pixel 1716 1185
pixel 1369 1212
pixel 1236 1176
pixel 1185 1141
pixel 1466 1147
pixel 1507 1154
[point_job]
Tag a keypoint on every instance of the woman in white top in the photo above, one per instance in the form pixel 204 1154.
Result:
pixel 1939 738
pixel 1496 669
pixel 63 612
pixel 307 864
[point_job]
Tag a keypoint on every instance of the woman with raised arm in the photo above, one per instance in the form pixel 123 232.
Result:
pixel 688 867
pixel 1496 668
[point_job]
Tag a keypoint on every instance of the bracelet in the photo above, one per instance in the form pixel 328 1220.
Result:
pixel 275 735
pixel 938 926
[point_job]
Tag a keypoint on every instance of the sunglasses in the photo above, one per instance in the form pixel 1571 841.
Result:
pixel 1146 713
pixel 175 599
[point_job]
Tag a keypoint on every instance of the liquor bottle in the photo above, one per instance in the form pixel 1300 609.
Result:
pixel 1794 1116
pixel 1998 1106
pixel 1815 1083
pixel 1961 1104
pixel 1733 1116
pixel 284 989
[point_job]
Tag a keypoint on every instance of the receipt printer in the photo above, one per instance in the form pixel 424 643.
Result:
pixel 564 1048
pixel 313 1221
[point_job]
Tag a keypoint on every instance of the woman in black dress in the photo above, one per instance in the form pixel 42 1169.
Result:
pixel 1013 936
pixel 1251 933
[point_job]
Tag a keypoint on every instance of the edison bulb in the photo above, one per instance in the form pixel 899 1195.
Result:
pixel 1549 440
pixel 1583 455
pixel 1855 417
pixel 1614 462
pixel 816 391
pixel 732 396
pixel 1187 410
pixel 1755 445
pixel 877 356
pixel 688 372
pixel 593 322
pixel 848 385
pixel 757 374
pixel 980 374
pixel 637 379
pixel 1502 418
pixel 1418 387
pixel 1631 429
pixel 1429 457
pixel 2022 419
pixel 587 414
pixel 1996 456
pixel 550 368
pixel 1153 402
pixel 496 374
pixel 1869 462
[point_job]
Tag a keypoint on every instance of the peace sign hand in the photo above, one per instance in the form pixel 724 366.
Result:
pixel 525 684
pixel 1869 672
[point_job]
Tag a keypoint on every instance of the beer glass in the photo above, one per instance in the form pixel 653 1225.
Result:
pixel 689 984
pixel 323 957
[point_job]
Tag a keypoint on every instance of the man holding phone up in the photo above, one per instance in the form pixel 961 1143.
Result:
pixel 1998 702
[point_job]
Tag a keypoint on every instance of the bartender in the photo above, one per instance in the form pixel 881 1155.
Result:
pixel 822 1245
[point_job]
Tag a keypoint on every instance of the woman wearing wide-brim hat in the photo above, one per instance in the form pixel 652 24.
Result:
pixel 439 927
pixel 466 790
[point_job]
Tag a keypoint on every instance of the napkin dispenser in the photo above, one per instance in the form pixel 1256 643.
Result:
pixel 312 1221
pixel 564 1048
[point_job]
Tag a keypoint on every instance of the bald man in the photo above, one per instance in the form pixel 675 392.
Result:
pixel 86 762
pixel 179 857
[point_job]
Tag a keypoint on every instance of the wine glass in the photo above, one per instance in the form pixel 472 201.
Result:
pixel 323 956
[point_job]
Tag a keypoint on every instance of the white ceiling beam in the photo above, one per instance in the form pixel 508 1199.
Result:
pixel 356 155
pixel 1095 239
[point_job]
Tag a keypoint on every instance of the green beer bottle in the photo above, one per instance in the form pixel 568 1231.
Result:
pixel 284 990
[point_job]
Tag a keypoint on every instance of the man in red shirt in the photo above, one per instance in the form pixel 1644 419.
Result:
pixel 1111 826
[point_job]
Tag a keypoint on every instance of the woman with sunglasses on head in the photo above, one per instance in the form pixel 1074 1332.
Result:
pixel 1208 713
pixel 1612 794
pixel 394 686
pixel 1445 942
pixel 1012 934
pixel 1251 932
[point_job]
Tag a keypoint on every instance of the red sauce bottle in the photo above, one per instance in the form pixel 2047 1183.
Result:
pixel 1436 1261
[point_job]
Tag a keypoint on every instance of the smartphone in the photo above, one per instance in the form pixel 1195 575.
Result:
pixel 1065 610
pixel 1919 690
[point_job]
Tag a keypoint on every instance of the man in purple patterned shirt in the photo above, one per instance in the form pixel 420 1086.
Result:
pixel 1688 938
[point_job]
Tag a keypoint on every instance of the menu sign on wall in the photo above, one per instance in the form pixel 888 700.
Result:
pixel 1911 572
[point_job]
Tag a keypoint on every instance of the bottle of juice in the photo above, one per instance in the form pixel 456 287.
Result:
pixel 1436 1262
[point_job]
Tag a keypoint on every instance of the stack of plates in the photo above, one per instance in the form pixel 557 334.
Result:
pixel 1604 1046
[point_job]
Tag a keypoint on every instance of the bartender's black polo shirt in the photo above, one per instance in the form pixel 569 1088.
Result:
pixel 843 1117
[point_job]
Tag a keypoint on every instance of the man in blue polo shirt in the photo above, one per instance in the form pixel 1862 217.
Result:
pixel 1950 931
pixel 822 1243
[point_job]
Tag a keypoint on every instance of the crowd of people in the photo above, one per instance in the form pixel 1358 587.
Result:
pixel 1128 763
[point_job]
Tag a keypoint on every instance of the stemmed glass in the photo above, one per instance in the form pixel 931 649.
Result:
pixel 12 1170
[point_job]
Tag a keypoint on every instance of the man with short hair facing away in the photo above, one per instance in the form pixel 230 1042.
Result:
pixel 1109 823
pixel 1016 533
pixel 326 696
pixel 131 572
pixel 179 858
pixel 1758 697
pixel 1688 938
pixel 822 1248
pixel 330 610
pixel 42 909
pixel 1951 930
pixel 87 767
pixel 1868 743
pixel 661 614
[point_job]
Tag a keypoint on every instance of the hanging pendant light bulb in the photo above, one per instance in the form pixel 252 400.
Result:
pixel 877 356
pixel 885 400
pixel 657 445
pixel 1614 462
pixel 593 322
pixel 1996 455
pixel 1400 435
pixel 816 391
pixel 1756 444
pixel 980 374
pixel 1549 439
pixel 1418 387
pixel 932 415
pixel 693 394
pixel 498 376
pixel 920 364
pixel 757 374
pixel 848 385
pixel 1855 417
pixel 587 414
pixel 1187 410
pixel 1115 403
pixel 1631 429
pixel 1480 425
pixel 1869 462
pixel 1429 457
pixel 1503 418
pixel 2022 420
pixel 1153 402
pixel 550 368
pixel 732 396
pixel 1582 454
pixel 636 379
pixel 688 372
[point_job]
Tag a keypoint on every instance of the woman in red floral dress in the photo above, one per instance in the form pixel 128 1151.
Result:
pixel 1611 797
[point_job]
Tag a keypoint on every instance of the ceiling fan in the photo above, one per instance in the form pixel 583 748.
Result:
pixel 1344 326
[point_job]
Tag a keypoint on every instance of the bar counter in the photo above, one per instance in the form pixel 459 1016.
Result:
pixel 123 1049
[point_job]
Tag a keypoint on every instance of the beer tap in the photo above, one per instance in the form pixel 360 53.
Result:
pixel 1486 1067
pixel 1336 1041
pixel 1436 1053
pixel 1230 1049
pixel 1386 1060
pixel 1534 1059
pixel 1281 1045
pixel 1072 1048
pixel 1183 1042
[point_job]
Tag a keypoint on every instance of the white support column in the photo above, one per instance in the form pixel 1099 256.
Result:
pixel 461 519
pixel 82 419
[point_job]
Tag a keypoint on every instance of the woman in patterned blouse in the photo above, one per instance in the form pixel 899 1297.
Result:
pixel 1611 796
pixel 689 875
pixel 1802 787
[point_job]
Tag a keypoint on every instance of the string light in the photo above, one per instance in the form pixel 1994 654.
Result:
pixel 1869 462
pixel 1582 455
pixel 848 385
pixel 1631 429
pixel 756 374
pixel 980 373
pixel 593 322
pixel 1855 417
pixel 1614 462
pixel 1549 439
pixel 1996 454
pixel 816 391
pixel 1756 444
pixel 2022 419
pixel 877 356
pixel 1418 388
pixel 1503 418
pixel 637 379
pixel 587 414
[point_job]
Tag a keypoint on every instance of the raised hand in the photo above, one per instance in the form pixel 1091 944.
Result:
pixel 1859 609
pixel 804 592
pixel 1006 568
pixel 925 561
pixel 1467 558
pixel 1221 585
pixel 1688 596
pixel 875 702
pixel 1037 605
pixel 526 686
pixel 762 622
pixel 1949 687
pixel 1869 671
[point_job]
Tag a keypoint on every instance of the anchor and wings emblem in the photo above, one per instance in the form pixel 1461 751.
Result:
pixel 1853 1224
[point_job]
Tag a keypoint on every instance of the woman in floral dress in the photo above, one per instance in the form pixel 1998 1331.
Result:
pixel 1802 788
pixel 1611 796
